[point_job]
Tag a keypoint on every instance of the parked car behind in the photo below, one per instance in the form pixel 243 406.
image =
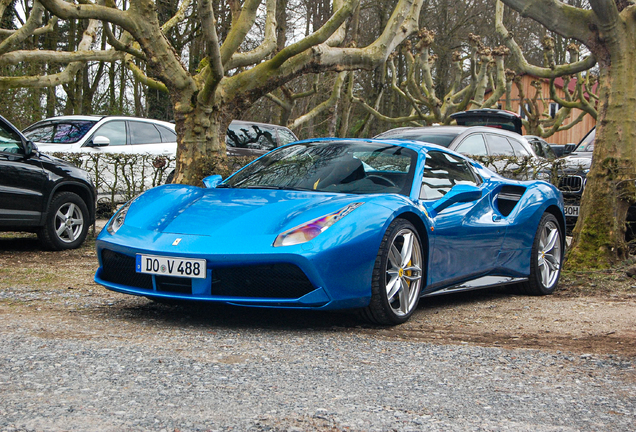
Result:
pixel 132 135
pixel 112 134
pixel 254 139
pixel 573 177
pixel 541 147
pixel 118 134
pixel 482 133
pixel 42 194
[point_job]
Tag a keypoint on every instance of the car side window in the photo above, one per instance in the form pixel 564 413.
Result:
pixel 143 133
pixel 251 136
pixel 167 135
pixel 520 150
pixel 285 137
pixel 10 141
pixel 115 131
pixel 499 146
pixel 473 145
pixel 442 171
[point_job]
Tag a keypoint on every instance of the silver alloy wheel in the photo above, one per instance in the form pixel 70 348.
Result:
pixel 549 254
pixel 404 272
pixel 69 222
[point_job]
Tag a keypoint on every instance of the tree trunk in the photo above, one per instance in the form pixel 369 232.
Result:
pixel 600 240
pixel 201 143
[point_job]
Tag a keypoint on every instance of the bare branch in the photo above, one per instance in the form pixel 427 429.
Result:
pixel 568 21
pixel 34 21
pixel 177 18
pixel 329 103
pixel 142 77
pixel 522 63
pixel 264 49
pixel 66 76
pixel 215 74
pixel 239 29
pixel 66 10
pixel 43 56
pixel 119 45
pixel 606 11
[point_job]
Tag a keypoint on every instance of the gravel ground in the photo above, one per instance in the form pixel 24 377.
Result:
pixel 135 365
pixel 75 357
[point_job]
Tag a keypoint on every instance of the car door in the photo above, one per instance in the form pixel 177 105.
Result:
pixel 146 137
pixel 21 181
pixel 115 131
pixel 467 235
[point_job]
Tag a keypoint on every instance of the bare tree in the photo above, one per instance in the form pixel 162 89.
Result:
pixel 537 118
pixel 608 29
pixel 230 76
pixel 472 74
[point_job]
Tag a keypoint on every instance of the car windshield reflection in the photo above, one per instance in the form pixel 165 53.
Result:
pixel 350 167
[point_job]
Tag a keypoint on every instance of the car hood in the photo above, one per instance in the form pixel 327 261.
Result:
pixel 577 161
pixel 196 211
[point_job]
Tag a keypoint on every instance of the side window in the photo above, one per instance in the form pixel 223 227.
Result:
pixel 285 137
pixel 266 138
pixel 10 141
pixel 473 145
pixel 115 131
pixel 442 171
pixel 499 146
pixel 520 150
pixel 167 135
pixel 252 136
pixel 143 133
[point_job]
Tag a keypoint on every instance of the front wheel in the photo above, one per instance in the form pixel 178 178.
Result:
pixel 397 276
pixel 546 259
pixel 67 222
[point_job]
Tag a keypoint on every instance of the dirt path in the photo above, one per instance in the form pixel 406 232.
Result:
pixel 591 313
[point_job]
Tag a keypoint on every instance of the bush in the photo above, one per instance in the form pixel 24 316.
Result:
pixel 120 177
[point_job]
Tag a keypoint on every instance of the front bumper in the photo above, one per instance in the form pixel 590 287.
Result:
pixel 303 276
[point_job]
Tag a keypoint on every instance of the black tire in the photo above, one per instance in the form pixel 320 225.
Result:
pixel 170 178
pixel 67 221
pixel 391 304
pixel 546 259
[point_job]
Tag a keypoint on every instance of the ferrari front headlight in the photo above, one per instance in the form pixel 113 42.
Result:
pixel 118 220
pixel 310 230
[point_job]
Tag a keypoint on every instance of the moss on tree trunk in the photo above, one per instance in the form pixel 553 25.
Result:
pixel 610 190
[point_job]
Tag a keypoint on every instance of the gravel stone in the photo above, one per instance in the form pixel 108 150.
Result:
pixel 256 379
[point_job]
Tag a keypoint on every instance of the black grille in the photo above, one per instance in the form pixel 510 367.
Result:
pixel 120 269
pixel 571 183
pixel 174 284
pixel 271 281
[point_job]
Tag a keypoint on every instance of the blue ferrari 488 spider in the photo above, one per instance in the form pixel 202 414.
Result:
pixel 331 224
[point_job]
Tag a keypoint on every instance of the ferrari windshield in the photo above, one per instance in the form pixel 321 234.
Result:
pixel 356 167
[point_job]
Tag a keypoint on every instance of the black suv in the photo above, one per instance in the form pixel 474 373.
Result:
pixel 42 194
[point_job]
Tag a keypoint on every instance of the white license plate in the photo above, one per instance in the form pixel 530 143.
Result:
pixel 571 210
pixel 171 266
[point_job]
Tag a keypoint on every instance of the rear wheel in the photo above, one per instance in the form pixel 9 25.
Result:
pixel 546 259
pixel 397 276
pixel 66 226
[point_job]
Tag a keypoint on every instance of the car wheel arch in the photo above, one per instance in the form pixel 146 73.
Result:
pixel 83 191
pixel 421 228
pixel 558 214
